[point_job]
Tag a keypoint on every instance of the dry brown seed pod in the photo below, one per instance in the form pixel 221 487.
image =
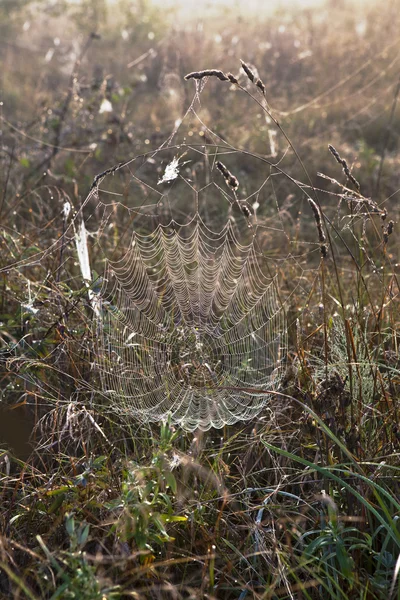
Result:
pixel 248 71
pixel 245 209
pixel 388 231
pixel 318 222
pixel 232 78
pixel 260 85
pixel 207 73
pixel 230 179
pixel 344 164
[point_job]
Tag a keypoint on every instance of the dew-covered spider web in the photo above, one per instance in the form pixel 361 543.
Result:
pixel 189 323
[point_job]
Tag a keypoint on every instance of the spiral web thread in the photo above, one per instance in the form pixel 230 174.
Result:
pixel 189 324
pixel 184 320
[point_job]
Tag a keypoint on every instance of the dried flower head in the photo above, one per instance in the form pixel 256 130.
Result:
pixel 232 78
pixel 344 164
pixel 388 231
pixel 248 71
pixel 245 209
pixel 230 179
pixel 318 222
pixel 260 85
pixel 207 73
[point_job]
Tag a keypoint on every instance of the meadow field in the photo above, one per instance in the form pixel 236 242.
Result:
pixel 199 300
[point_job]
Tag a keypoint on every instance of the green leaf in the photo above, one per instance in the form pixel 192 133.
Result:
pixel 173 518
pixel 160 526
pixel 56 504
pixel 57 491
pixel 84 535
pixel 345 561
pixel 70 524
pixel 171 481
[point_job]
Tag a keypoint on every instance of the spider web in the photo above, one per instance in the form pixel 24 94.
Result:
pixel 189 323
pixel 187 315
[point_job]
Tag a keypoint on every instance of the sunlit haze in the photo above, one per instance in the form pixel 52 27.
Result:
pixel 194 7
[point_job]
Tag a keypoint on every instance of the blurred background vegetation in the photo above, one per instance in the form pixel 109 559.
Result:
pixel 106 79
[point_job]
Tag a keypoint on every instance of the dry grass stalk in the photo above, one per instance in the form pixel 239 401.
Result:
pixel 248 71
pixel 388 231
pixel 232 78
pixel 345 166
pixel 208 73
pixel 318 222
pixel 230 179
pixel 258 82
pixel 212 73
pixel 245 209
